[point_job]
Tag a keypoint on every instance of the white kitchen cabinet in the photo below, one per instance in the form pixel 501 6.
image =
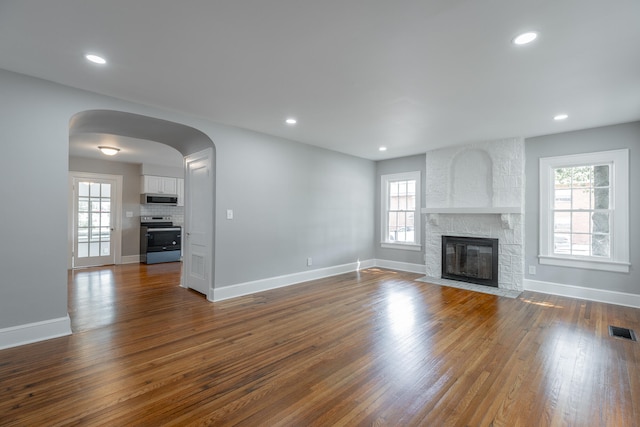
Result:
pixel 159 184
pixel 180 192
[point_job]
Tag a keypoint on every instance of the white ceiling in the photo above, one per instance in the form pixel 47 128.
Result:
pixel 132 150
pixel 408 74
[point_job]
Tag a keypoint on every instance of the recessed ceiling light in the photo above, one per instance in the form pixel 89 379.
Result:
pixel 95 59
pixel 560 117
pixel 525 38
pixel 382 149
pixel 109 151
pixel 291 121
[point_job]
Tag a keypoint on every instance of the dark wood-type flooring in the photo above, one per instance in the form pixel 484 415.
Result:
pixel 368 348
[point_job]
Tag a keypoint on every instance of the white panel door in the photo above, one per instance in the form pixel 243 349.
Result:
pixel 94 221
pixel 198 272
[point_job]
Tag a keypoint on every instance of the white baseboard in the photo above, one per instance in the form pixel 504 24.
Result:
pixel 130 259
pixel 240 289
pixel 401 266
pixel 33 332
pixel 599 295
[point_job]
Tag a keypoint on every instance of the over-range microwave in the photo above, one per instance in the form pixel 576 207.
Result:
pixel 159 199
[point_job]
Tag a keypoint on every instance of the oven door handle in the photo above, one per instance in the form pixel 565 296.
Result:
pixel 150 230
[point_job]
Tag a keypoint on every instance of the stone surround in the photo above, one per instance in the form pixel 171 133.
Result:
pixel 507 293
pixel 470 181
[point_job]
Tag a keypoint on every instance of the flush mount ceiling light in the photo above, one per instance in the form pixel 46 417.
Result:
pixel 291 121
pixel 109 151
pixel 382 149
pixel 525 38
pixel 559 117
pixel 96 59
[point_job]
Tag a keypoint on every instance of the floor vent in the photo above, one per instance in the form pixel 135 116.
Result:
pixel 625 333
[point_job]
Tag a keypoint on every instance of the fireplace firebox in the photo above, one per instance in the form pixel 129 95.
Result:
pixel 470 259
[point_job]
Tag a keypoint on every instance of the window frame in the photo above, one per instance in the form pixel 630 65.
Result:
pixel 384 213
pixel 618 260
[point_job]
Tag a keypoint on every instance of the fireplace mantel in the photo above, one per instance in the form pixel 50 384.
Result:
pixel 474 210
pixel 506 213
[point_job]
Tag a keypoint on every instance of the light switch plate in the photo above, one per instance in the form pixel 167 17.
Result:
pixel 229 213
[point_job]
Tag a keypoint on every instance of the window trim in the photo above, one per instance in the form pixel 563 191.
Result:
pixel 619 258
pixel 384 217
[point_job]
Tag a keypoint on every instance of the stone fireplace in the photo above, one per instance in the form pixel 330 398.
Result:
pixel 477 191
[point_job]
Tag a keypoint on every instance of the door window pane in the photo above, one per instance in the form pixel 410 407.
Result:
pixel 105 248
pixel 83 219
pixel 83 234
pixel 93 227
pixel 94 189
pixel 83 250
pixel 83 189
pixel 94 249
pixel 105 190
pixel 83 205
pixel 105 219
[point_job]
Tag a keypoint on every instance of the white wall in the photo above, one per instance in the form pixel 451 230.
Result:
pixel 291 201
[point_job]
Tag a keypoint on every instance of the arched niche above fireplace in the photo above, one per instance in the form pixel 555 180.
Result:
pixel 471 179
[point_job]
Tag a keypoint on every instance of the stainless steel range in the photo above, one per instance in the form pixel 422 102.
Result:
pixel 160 240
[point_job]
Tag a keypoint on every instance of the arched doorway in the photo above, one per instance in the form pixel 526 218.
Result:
pixel 197 149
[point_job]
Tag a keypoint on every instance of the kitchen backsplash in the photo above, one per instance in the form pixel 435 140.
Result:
pixel 177 212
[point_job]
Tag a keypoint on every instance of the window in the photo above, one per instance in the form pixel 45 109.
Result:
pixel 400 211
pixel 584 210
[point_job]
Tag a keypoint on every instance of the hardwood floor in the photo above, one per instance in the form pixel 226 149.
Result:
pixel 368 348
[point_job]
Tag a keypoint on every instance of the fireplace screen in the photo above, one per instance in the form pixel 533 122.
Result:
pixel 470 259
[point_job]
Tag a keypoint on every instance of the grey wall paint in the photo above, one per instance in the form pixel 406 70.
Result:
pixel 584 141
pixel 291 200
pixel 130 195
pixel 399 165
pixel 33 215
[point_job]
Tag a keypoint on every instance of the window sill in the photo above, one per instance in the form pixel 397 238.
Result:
pixel 403 246
pixel 615 266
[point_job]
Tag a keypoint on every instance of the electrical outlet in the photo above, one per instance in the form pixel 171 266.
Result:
pixel 229 213
pixel 309 262
pixel 532 270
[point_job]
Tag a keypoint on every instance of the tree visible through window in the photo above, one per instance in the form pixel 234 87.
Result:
pixel 581 211
pixel 584 210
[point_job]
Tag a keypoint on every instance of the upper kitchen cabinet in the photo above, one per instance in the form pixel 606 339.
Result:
pixel 159 185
